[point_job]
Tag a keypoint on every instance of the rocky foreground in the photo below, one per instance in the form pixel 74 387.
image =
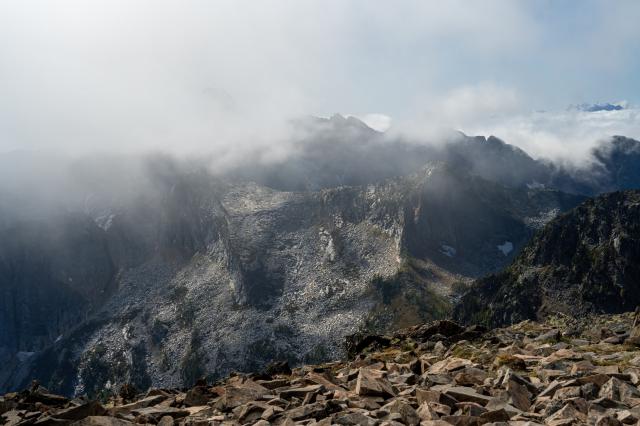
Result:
pixel 560 372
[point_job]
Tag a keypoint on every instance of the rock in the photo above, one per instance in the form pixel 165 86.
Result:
pixel 144 402
pixel 372 382
pixel 519 395
pixel 426 412
pixel 239 394
pixel 166 421
pixel 408 414
pixel 492 416
pixel 567 392
pixel 354 419
pixel 278 367
pixel 250 412
pixel 300 392
pixel 92 408
pixel 607 421
pixel 462 420
pixel 198 395
pixel 315 410
pixel 109 421
pixel 470 376
pixel 462 393
pixel 157 412
pixel 568 413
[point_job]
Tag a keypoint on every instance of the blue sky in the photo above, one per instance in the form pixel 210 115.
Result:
pixel 80 74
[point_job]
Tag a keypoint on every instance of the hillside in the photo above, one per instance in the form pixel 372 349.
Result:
pixel 583 261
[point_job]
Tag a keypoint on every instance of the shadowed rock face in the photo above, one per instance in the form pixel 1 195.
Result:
pixel 583 261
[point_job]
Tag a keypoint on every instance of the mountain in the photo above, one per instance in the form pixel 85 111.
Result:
pixel 606 106
pixel 156 271
pixel 202 276
pixel 345 152
pixel 613 166
pixel 583 261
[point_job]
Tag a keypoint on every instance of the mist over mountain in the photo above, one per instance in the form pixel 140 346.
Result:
pixel 155 270
pixel 180 206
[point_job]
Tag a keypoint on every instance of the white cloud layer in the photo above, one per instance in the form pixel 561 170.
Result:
pixel 226 76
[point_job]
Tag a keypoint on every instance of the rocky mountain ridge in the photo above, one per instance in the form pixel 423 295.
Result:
pixel 186 272
pixel 583 261
pixel 222 277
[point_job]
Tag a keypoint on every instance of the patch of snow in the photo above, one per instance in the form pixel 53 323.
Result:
pixel 535 185
pixel 506 248
pixel 105 221
pixel 447 250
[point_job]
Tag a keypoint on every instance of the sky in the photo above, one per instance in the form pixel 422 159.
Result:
pixel 86 75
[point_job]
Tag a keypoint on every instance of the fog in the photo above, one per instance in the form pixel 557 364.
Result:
pixel 223 85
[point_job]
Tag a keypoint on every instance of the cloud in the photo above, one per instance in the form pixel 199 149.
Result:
pixel 189 76
pixel 566 136
pixel 466 107
pixel 224 78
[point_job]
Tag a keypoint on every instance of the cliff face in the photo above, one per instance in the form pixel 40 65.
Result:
pixel 583 261
pixel 204 277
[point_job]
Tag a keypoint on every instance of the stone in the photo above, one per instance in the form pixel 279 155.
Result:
pixel 607 421
pixel 566 413
pixel 239 394
pixel 157 412
pixel 144 402
pixel 354 419
pixel 93 408
pixel 315 410
pixel 408 414
pixel 464 394
pixel 300 392
pixel 462 420
pixel 426 412
pixel 198 395
pixel 278 368
pixel 492 416
pixel 166 421
pixel 470 409
pixel 251 411
pixel 372 382
pixel 426 395
pixel 567 392
pixel 109 421
pixel 470 376
pixel 519 395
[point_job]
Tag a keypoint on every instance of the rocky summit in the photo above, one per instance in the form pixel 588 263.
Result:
pixel 583 261
pixel 563 371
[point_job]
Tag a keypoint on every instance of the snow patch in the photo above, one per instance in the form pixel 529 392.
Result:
pixel 447 250
pixel 506 248
pixel 105 221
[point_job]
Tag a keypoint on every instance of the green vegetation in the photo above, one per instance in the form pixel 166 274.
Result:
pixel 405 299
